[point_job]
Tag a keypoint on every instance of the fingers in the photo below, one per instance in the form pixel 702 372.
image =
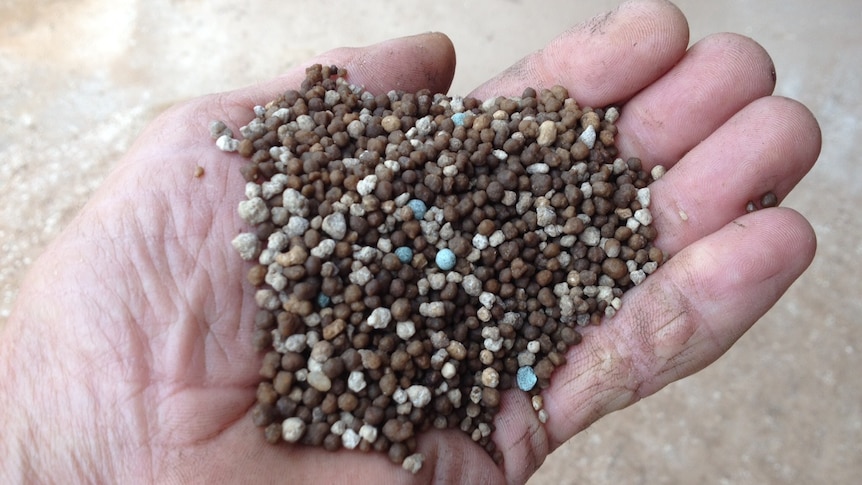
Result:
pixel 767 147
pixel 521 437
pixel 605 60
pixel 681 318
pixel 717 77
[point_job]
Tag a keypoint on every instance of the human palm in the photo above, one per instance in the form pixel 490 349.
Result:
pixel 128 356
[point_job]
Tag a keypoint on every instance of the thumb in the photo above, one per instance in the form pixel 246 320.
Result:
pixel 423 61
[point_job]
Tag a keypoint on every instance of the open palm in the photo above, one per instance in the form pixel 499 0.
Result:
pixel 128 355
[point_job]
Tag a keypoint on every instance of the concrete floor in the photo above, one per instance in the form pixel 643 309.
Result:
pixel 81 78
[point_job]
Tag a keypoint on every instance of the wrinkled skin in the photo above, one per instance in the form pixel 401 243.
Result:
pixel 127 357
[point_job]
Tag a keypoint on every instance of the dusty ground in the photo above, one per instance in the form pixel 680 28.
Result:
pixel 80 78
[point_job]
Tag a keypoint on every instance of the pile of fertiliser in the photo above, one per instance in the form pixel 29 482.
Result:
pixel 415 255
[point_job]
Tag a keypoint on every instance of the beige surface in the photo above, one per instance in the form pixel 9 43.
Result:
pixel 79 79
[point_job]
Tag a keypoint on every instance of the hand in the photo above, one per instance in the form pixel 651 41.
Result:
pixel 128 355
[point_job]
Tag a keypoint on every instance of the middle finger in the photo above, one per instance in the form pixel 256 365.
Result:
pixel 717 77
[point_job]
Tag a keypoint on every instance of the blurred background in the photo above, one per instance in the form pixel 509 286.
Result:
pixel 80 78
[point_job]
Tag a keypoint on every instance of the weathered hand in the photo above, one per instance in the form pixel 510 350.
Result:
pixel 128 355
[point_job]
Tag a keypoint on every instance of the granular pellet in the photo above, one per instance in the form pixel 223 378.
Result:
pixel 767 200
pixel 416 254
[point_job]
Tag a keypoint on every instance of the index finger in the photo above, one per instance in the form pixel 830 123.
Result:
pixel 605 60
